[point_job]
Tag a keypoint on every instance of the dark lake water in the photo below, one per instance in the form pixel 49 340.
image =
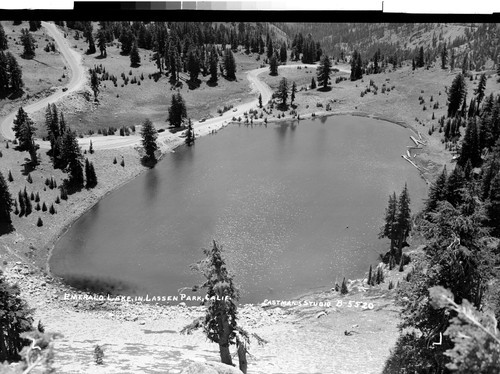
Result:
pixel 295 206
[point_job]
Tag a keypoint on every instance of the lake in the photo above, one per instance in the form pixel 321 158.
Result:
pixel 296 207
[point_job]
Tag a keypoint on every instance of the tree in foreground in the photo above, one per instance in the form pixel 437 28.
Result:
pixel 475 335
pixel 273 65
pixel 229 65
pixel 16 318
pixel 292 95
pixel 149 135
pixel 3 39
pixel 90 176
pixel 403 220
pixel 6 205
pixel 323 72
pixel 101 42
pixel 177 111
pixel 220 321
pixel 389 230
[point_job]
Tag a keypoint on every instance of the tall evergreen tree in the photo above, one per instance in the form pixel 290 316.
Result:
pixel 493 205
pixel 283 55
pixel 101 42
pixel 190 134
pixel 4 72
pixel 214 61
pixel 3 39
pixel 229 65
pixel 15 73
pixel 444 56
pixel 294 91
pixel 273 65
pixel 177 111
pixel 389 230
pixel 6 206
pixel 323 72
pixel 403 221
pixel 24 131
pixel 90 175
pixel 454 186
pixel 356 66
pixel 283 91
pixel 28 43
pixel 437 192
pixel 135 59
pixel 95 82
pixel 193 66
pixel 456 94
pixel 149 136
pixel 470 145
pixel 479 91
pixel 72 156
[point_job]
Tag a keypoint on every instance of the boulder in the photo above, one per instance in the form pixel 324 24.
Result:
pixel 210 368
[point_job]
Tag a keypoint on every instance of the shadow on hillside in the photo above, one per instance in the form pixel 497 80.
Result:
pixel 11 94
pixel 325 89
pixel 98 285
pixel 211 83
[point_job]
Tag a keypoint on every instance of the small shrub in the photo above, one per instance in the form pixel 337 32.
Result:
pixel 114 161
pixel 122 163
pixel 98 355
pixel 39 223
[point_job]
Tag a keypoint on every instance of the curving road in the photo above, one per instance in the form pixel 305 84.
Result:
pixel 78 80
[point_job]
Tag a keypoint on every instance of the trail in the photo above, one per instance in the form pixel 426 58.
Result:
pixel 78 80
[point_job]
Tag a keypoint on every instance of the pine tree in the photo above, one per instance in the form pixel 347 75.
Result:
pixel 101 42
pixel 323 72
pixel 403 220
pixel 15 73
pixel 214 61
pixel 193 66
pixel 3 39
pixel 294 91
pixel 456 94
pixel 4 71
pixel 283 91
pixel 16 319
pixel 273 65
pixel 479 91
pixel 470 145
pixel 389 230
pixel 149 135
pixel 229 65
pixel 44 207
pixel 72 155
pixel 343 288
pixel 52 210
pixel 260 100
pixel 95 83
pixel 177 111
pixel 24 131
pixel 189 134
pixel 493 205
pixel 313 83
pixel 370 276
pixel 437 192
pixel 283 55
pixel 444 56
pixel 454 185
pixel 22 204
pixel 28 43
pixel 91 148
pixel 135 59
pixel 10 177
pixel 39 223
pixel 27 203
pixel 6 205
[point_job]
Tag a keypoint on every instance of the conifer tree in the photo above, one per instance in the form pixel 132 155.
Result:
pixel 15 73
pixel 10 177
pixel 44 207
pixel 189 133
pixel 323 72
pixel 28 43
pixel 101 42
pixel 454 185
pixel 456 94
pixel 313 83
pixel 273 65
pixel 470 145
pixel 437 192
pixel 193 66
pixel 22 204
pixel 260 100
pixel 389 230
pixel 229 65
pixel 16 320
pixel 95 83
pixel 39 223
pixel 3 39
pixel 149 135
pixel 493 205
pixel 135 59
pixel 283 91
pixel 24 131
pixel 444 56
pixel 283 55
pixel 27 203
pixel 292 95
pixel 343 288
pixel 177 111
pixel 6 205
pixel 403 220
pixel 479 91
pixel 214 61
pixel 370 276
pixel 72 155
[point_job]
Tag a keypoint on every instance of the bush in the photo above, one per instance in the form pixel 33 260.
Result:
pixel 343 288
pixel 98 355
pixel 39 223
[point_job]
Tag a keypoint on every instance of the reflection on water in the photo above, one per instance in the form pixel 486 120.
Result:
pixel 296 206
